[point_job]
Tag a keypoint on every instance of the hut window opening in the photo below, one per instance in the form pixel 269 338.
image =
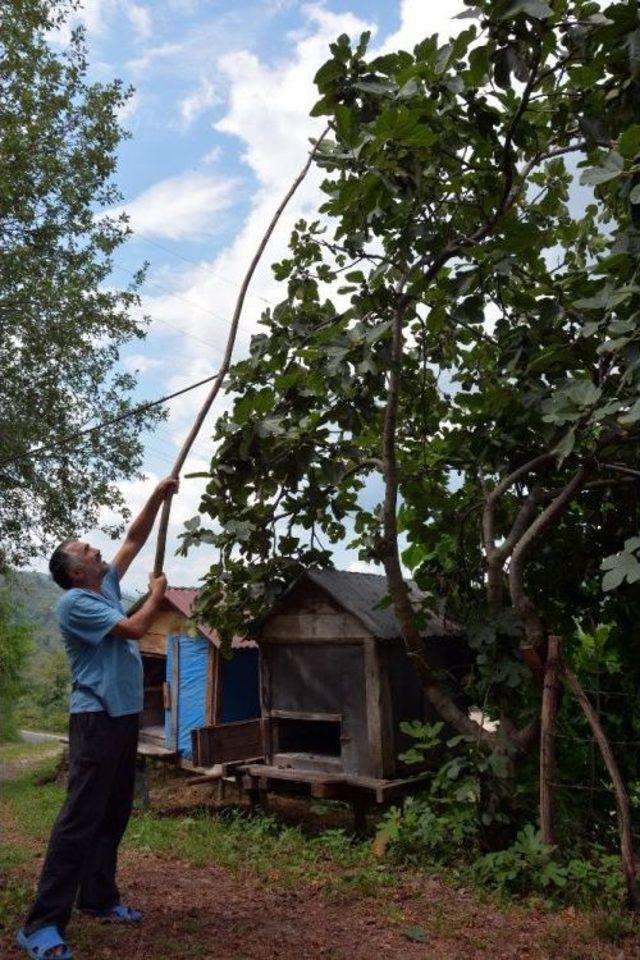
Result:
pixel 317 737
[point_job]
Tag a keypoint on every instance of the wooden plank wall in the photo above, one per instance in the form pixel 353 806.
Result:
pixel 309 614
pixel 164 623
pixel 310 666
pixel 226 743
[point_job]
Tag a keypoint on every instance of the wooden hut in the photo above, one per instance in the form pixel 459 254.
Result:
pixel 190 687
pixel 336 685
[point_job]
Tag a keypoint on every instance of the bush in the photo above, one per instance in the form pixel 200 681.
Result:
pixel 15 646
pixel 430 832
pixel 45 705
pixel 530 866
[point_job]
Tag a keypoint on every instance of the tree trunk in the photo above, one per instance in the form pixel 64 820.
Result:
pixel 620 791
pixel 548 715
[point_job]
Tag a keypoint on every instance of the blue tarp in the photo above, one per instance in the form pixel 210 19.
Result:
pixel 191 696
pixel 239 689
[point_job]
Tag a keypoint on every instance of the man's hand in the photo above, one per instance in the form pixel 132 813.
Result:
pixel 135 626
pixel 170 485
pixel 157 585
pixel 142 525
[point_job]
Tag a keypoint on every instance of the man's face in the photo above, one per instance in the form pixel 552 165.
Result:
pixel 88 565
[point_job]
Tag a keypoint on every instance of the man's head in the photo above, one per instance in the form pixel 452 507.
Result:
pixel 76 564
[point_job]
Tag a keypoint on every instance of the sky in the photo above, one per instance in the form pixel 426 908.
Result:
pixel 219 125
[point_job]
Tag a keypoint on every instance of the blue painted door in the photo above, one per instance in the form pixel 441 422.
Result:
pixel 189 698
pixel 240 687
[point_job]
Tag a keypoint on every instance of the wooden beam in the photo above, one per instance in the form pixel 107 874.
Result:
pixel 175 691
pixel 378 704
pixel 209 690
pixel 319 641
pixel 265 704
pixel 299 715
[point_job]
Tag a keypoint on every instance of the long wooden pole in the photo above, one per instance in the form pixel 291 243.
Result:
pixel 161 544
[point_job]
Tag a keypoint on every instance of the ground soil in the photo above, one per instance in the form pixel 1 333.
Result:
pixel 208 913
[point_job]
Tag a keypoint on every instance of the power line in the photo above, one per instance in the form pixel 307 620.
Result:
pixel 202 266
pixel 177 296
pixel 70 438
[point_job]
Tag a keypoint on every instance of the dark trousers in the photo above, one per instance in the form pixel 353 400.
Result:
pixel 83 848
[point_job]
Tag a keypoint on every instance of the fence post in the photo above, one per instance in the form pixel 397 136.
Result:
pixel 548 715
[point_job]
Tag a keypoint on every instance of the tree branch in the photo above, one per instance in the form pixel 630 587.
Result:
pixel 521 602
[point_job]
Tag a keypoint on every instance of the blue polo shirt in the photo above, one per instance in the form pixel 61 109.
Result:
pixel 106 672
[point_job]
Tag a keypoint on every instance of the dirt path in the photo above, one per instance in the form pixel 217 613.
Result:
pixel 206 913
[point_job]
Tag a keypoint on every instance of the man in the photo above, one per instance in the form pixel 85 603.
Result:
pixel 106 699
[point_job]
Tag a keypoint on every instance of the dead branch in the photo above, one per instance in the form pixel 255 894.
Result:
pixel 620 791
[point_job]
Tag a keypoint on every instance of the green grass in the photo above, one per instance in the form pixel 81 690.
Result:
pixel 260 846
pixel 12 751
pixel 33 808
pixel 264 847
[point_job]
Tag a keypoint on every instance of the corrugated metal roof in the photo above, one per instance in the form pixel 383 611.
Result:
pixel 183 599
pixel 362 593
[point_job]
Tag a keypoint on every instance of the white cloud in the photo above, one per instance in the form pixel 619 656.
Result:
pixel 212 156
pixel 199 100
pixel 182 207
pixel 361 566
pixel 130 108
pixel 140 19
pixel 93 14
pixel 419 20
pixel 164 51
pixel 269 104
pixel 141 362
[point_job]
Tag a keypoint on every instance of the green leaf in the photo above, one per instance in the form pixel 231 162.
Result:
pixel 632 415
pixel 413 556
pixel 612 167
pixel 417 934
pixel 478 65
pixel 622 566
pixel 629 142
pixel 442 61
pixel 597 175
pixel 328 72
pixel 565 447
pixel 533 8
pixel 376 88
pixel 346 125
pixel 409 89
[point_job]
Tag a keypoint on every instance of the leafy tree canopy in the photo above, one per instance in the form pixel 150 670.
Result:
pixel 61 322
pixel 460 330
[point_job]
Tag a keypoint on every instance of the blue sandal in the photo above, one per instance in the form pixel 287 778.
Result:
pixel 118 914
pixel 38 944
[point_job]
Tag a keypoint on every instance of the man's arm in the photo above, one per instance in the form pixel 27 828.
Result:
pixel 135 626
pixel 141 527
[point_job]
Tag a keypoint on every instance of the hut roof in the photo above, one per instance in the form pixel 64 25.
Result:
pixel 182 599
pixel 361 595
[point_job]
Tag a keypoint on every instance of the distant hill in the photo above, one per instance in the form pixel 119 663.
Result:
pixel 34 597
